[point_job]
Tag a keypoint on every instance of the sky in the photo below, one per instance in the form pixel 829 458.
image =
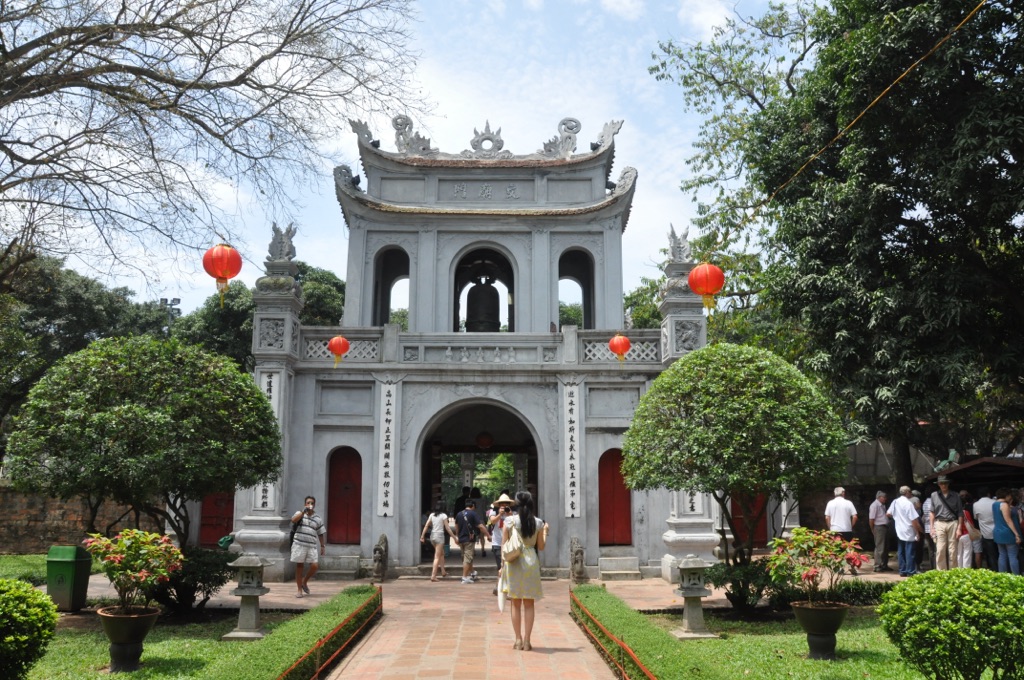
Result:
pixel 522 66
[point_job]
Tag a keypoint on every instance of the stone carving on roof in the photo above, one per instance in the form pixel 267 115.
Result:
pixel 487 145
pixel 626 180
pixel 564 144
pixel 409 142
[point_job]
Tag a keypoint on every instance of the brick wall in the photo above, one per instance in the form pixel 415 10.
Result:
pixel 30 524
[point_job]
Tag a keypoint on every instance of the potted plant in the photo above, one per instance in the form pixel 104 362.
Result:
pixel 807 560
pixel 134 561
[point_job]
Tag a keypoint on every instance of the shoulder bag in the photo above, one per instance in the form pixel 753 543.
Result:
pixel 513 547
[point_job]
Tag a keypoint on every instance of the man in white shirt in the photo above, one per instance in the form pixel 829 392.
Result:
pixel 908 528
pixel 987 524
pixel 840 515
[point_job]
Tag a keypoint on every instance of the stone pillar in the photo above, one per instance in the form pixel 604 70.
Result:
pixel 261 520
pixel 691 532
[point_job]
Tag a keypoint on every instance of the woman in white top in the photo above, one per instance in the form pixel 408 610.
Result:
pixel 437 525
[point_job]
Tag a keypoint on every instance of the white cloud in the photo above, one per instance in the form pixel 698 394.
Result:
pixel 626 9
pixel 701 16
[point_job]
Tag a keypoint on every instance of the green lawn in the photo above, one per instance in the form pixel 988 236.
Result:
pixel 172 651
pixel 778 649
pixel 31 568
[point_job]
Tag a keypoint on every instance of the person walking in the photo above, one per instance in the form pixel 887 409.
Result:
pixel 468 524
pixel 523 575
pixel 986 524
pixel 878 520
pixel 1007 531
pixel 310 535
pixel 437 526
pixel 908 527
pixel 947 520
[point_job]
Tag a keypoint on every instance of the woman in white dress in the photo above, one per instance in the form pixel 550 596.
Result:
pixel 436 526
pixel 522 577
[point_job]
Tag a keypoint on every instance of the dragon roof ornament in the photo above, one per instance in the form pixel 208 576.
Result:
pixel 486 145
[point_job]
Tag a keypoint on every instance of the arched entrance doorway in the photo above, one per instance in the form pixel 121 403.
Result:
pixel 345 496
pixel 615 507
pixel 479 445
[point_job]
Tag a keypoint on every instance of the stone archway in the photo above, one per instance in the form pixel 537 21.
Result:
pixel 478 445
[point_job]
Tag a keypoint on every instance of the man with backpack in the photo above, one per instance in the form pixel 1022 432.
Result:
pixel 469 525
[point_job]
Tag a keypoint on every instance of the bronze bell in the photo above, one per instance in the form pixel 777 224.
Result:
pixel 482 305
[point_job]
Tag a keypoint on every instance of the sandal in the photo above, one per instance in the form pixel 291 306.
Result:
pixel 518 644
pixel 527 647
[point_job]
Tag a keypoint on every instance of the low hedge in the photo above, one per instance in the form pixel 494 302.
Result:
pixel 28 620
pixel 275 655
pixel 658 650
pixel 851 591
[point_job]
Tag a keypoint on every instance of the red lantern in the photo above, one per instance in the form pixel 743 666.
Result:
pixel 706 280
pixel 619 345
pixel 222 262
pixel 337 346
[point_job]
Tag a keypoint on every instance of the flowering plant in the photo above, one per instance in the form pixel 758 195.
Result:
pixel 133 560
pixel 807 558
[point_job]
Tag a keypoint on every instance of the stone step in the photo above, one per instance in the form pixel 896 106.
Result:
pixel 337 575
pixel 618 564
pixel 621 576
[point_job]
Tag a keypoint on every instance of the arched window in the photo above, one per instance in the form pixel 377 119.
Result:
pixel 482 277
pixel 389 267
pixel 578 266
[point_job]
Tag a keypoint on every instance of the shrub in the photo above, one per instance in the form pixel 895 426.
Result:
pixel 28 619
pixel 851 591
pixel 744 584
pixel 955 624
pixel 204 572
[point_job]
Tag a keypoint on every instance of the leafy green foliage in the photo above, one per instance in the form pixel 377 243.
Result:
pixel 856 592
pixel 134 561
pixel 642 303
pixel 28 620
pixel 323 295
pixel 570 314
pixel 318 628
pixel 734 420
pixel 744 584
pixel 806 558
pixel 204 572
pixel 956 624
pixel 401 318
pixel 148 423
pixel 224 330
pixel 901 245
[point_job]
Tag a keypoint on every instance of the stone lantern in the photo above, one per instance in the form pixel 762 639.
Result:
pixel 691 587
pixel 250 587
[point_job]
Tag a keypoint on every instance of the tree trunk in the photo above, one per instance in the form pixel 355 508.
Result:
pixel 901 463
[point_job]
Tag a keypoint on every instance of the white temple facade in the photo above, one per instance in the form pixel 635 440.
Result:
pixel 483 237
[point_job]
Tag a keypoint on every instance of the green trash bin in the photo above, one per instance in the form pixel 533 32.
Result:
pixel 67 576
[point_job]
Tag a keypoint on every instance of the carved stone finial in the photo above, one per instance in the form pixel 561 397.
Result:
pixel 409 142
pixel 362 130
pixel 487 144
pixel 281 247
pixel 679 247
pixel 564 144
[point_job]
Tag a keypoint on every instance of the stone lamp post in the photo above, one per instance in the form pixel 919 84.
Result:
pixel 691 587
pixel 250 587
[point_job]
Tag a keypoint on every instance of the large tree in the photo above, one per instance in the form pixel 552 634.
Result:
pixel 902 242
pixel 148 423
pixel 123 123
pixel 736 422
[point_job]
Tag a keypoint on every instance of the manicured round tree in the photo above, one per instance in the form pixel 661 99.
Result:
pixel 148 423
pixel 735 422
pixel 28 620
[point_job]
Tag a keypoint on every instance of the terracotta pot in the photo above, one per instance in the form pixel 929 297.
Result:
pixel 126 633
pixel 820 621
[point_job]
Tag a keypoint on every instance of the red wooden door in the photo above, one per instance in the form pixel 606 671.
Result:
pixel 217 518
pixel 615 509
pixel 760 529
pixel 345 497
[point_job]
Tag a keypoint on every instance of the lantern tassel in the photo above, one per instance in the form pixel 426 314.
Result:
pixel 222 286
pixel 709 303
pixel 620 357
pixel 337 358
